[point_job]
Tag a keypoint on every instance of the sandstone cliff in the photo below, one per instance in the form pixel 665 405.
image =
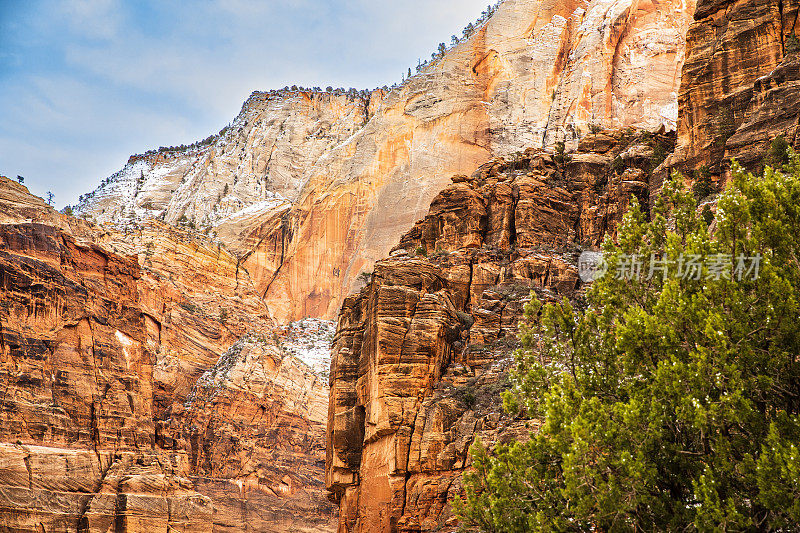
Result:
pixel 308 189
pixel 197 301
pixel 101 347
pixel 739 83
pixel 423 350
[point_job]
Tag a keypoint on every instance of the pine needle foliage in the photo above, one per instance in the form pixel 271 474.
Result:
pixel 666 404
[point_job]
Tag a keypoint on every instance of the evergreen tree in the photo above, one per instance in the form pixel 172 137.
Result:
pixel 778 153
pixel 468 30
pixel 20 179
pixel 666 404
pixel 792 44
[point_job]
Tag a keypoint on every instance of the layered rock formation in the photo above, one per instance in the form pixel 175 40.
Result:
pixel 257 417
pixel 308 189
pixel 197 301
pixel 736 94
pixel 98 354
pixel 423 350
pixel 773 111
pixel 77 412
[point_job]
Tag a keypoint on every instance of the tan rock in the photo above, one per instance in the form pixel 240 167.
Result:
pixel 359 170
pixel 423 350
pixel 58 489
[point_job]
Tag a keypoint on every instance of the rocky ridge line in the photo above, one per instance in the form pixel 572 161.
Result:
pixel 319 186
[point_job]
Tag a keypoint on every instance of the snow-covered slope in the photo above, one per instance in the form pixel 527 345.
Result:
pixel 262 156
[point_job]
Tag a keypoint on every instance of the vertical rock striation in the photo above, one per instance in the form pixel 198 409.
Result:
pixel 731 101
pixel 423 350
pixel 103 338
pixel 309 189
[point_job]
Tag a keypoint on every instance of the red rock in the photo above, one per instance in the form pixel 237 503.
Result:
pixel 422 352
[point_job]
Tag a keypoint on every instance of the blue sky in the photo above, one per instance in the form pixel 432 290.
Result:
pixel 86 83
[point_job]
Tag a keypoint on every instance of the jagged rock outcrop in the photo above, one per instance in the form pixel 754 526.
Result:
pixel 99 350
pixel 773 111
pixel 325 184
pixel 423 350
pixel 731 82
pixel 77 390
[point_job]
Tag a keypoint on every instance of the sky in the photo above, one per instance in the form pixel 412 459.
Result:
pixel 86 83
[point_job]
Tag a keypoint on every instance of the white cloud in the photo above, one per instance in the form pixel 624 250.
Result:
pixel 94 19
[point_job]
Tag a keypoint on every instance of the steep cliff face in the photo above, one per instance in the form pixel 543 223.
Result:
pixel 100 349
pixel 423 350
pixel 76 420
pixel 197 301
pixel 257 417
pixel 324 185
pixel 734 97
pixel 774 110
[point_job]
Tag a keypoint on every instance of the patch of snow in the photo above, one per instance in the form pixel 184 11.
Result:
pixel 123 339
pixel 258 208
pixel 310 341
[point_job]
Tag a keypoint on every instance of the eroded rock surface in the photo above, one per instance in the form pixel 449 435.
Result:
pixel 103 339
pixel 309 189
pixel 423 350
pixel 257 417
pixel 773 111
pixel 734 97
pixel 196 298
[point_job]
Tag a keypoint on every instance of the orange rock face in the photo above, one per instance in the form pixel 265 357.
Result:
pixel 197 301
pixel 78 382
pixel 75 366
pixel 98 356
pixel 773 111
pixel 423 350
pixel 730 48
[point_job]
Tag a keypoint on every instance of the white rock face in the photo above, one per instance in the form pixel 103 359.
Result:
pixel 310 341
pixel 336 179
pixel 262 157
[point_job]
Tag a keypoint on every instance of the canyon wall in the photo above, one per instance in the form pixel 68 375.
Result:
pixel 739 88
pixel 423 351
pixel 115 397
pixel 309 188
